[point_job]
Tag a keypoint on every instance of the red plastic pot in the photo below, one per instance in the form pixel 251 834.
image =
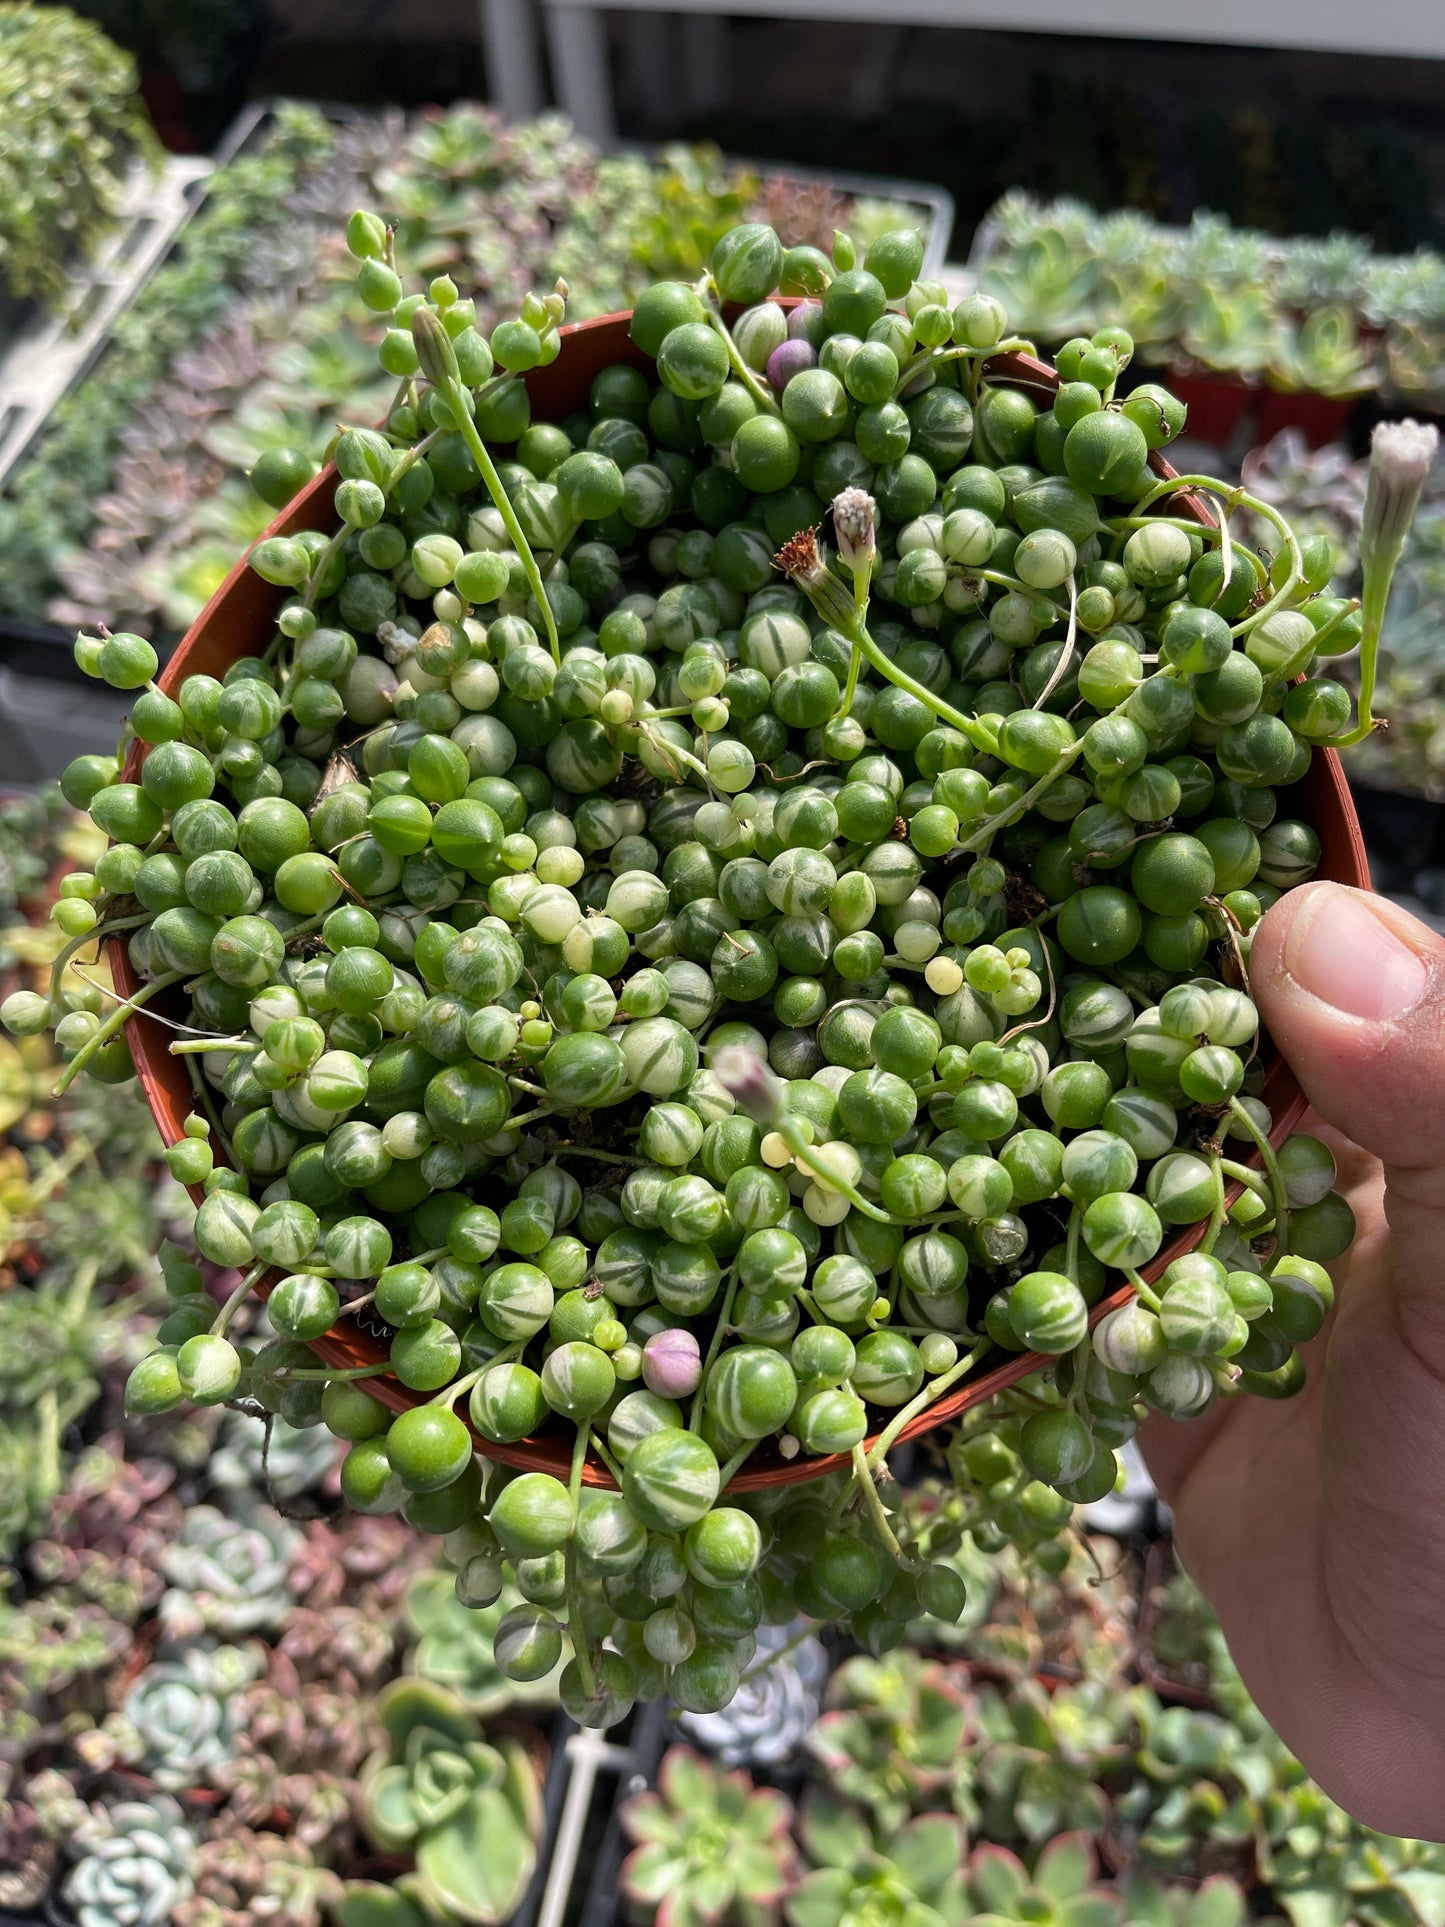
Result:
pixel 1319 418
pixel 1215 402
pixel 239 621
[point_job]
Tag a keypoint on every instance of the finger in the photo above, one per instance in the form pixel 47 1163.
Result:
pixel 1352 988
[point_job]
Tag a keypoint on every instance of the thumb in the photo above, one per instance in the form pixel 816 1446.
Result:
pixel 1352 989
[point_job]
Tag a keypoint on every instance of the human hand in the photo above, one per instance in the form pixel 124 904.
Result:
pixel 1316 1525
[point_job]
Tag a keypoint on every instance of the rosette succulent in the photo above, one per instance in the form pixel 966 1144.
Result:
pixel 730 933
pixel 470 1812
pixel 893 1732
pixel 139 1872
pixel 276 1459
pixel 911 1876
pixel 710 1849
pixel 243 1876
pixel 227 1571
pixel 176 1718
pixel 1060 1891
pixel 1034 1769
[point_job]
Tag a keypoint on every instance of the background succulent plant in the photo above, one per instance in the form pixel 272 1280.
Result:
pixel 1322 315
pixel 863 1876
pixel 1060 1890
pixel 176 1720
pixel 227 1571
pixel 295 1747
pixel 244 1876
pixel 893 1731
pixel 470 1812
pixel 141 1869
pixel 131 506
pixel 1035 1769
pixel 254 1453
pixel 710 1849
pixel 73 122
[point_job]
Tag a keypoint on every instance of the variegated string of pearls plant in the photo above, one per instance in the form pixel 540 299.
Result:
pixel 700 992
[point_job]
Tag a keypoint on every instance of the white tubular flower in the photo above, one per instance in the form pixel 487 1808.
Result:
pixel 1401 456
pixel 855 521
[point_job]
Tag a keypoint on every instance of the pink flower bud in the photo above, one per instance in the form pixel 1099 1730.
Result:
pixel 749 1082
pixel 671 1364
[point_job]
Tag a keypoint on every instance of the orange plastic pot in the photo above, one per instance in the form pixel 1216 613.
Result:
pixel 239 621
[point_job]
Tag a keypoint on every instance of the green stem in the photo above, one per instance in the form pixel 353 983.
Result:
pixel 1279 1196
pixel 1146 1292
pixel 1242 1173
pixel 730 1292
pixel 1238 498
pixel 1377 592
pixel 1071 1254
pixel 735 1463
pixel 98 933
pixel 766 400
pixel 606 1457
pixel 944 711
pixel 207 1102
pixel 589 1151
pixel 850 688
pixel 669 750
pixel 756 1672
pixel 113 1023
pixel 323 562
pixel 221 1324
pixel 935 357
pixel 930 1395
pixel 203 1046
pixel 452 393
pixel 449 1394
pixel 1220 1211
pixel 873 1505
pixel 325 1371
pixel 1021 805
pixel 791 1132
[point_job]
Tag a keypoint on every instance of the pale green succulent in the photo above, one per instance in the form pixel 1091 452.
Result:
pixel 1058 1892
pixel 470 1812
pixel 910 1877
pixel 710 1849
pixel 227 1572
pixel 139 1873
pixel 176 1718
pixel 1034 1769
